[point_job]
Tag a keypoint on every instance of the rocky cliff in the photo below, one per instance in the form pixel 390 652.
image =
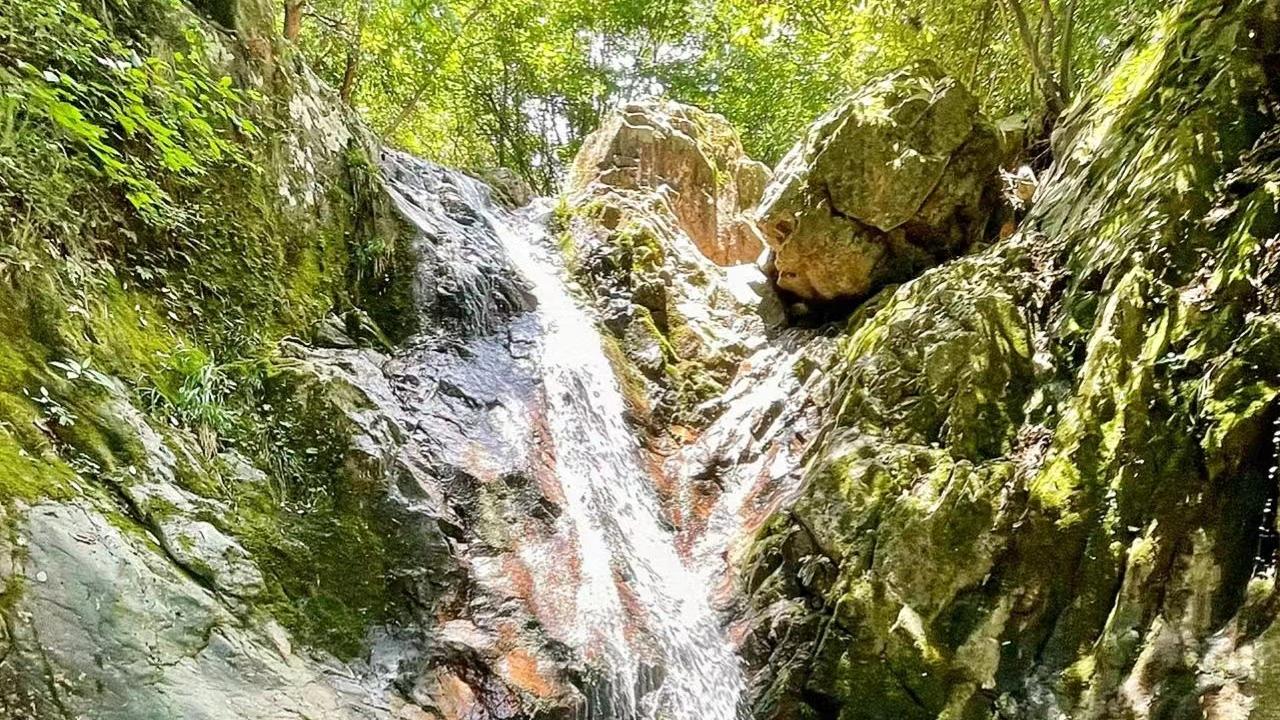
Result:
pixel 295 426
pixel 1047 486
pixel 214 503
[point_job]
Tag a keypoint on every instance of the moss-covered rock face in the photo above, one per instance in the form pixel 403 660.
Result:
pixel 229 206
pixel 1048 489
pixel 192 524
pixel 892 181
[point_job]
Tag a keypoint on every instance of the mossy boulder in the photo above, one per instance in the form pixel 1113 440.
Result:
pixel 655 211
pixel 892 181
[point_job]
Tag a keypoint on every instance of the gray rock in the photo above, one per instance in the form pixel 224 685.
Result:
pixel 206 551
pixel 105 627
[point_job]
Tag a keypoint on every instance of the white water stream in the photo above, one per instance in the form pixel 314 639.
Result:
pixel 673 661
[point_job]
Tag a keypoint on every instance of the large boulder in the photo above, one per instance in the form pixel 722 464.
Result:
pixel 655 225
pixel 694 157
pixel 893 180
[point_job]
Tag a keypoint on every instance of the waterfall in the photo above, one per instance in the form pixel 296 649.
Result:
pixel 642 617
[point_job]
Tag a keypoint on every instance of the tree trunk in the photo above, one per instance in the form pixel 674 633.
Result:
pixel 1049 34
pixel 354 51
pixel 293 19
pixel 1041 73
pixel 1065 68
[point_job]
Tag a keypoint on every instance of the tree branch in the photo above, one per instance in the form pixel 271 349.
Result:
pixel 353 55
pixel 979 48
pixel 1052 92
pixel 1049 34
pixel 424 84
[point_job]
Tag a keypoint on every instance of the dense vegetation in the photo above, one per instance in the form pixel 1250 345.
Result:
pixel 160 236
pixel 518 83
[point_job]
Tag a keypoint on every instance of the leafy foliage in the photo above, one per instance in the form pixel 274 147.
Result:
pixel 146 234
pixel 147 123
pixel 518 83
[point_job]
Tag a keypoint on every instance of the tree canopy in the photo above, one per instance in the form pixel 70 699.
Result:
pixel 519 83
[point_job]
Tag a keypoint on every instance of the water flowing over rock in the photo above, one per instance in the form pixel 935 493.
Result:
pixel 577 599
pixel 461 287
pixel 520 560
pixel 163 612
pixel 558 520
pixel 644 204
pixel 892 181
pixel 728 399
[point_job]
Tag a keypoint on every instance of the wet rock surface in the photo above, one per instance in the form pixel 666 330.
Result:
pixel 157 593
pixel 108 627
pixel 894 180
pixel 460 287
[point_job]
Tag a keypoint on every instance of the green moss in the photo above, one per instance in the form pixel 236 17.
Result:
pixel 962 350
pixel 131 334
pixel 18 352
pixel 560 227
pixel 322 531
pixel 634 388
pixel 1077 677
pixel 1138 70
pixel 1055 486
pixel 593 209
pixel 568 248
pixel 329 562
pixel 30 478
pixel 177 297
pixel 11 590
pixel 639 245
pixel 1070 432
pixel 561 216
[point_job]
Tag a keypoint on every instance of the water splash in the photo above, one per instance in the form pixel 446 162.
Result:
pixel 642 615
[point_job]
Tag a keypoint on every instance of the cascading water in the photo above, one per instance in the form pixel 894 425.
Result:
pixel 641 615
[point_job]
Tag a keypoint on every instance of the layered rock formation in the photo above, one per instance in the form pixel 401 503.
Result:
pixel 692 159
pixel 892 181
pixel 1047 489
pixel 656 207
